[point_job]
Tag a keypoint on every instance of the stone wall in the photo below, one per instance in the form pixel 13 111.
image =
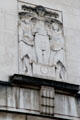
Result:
pixel 28 100
pixel 9 36
pixel 21 101
pixel 8 39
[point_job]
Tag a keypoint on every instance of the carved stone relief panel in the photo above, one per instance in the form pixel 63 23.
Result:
pixel 41 42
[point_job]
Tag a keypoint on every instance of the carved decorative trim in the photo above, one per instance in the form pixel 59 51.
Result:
pixel 47 96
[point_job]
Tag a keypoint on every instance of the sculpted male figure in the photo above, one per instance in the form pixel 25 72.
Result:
pixel 26 43
pixel 57 50
pixel 42 45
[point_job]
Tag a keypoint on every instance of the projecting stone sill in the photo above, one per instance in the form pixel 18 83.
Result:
pixel 27 80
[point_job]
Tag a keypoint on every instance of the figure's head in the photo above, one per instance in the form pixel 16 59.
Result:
pixel 55 26
pixel 40 10
pixel 24 17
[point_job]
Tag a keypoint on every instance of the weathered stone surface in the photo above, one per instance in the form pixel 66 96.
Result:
pixel 36 101
pixel 65 105
pixel 11 97
pixel 8 116
pixel 26 100
pixel 41 42
pixel 37 118
pixel 3 96
pixel 8 39
pixel 8 27
pixel 71 16
pixel 47 96
pixel 29 99
pixel 78 104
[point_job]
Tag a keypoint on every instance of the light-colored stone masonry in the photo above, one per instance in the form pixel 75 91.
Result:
pixel 9 36
pixel 13 99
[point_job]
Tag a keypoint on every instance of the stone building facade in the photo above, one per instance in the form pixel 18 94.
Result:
pixel 40 60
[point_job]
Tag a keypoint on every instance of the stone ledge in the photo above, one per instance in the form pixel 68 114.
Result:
pixel 33 115
pixel 27 80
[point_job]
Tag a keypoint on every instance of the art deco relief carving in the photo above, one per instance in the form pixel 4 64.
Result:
pixel 41 42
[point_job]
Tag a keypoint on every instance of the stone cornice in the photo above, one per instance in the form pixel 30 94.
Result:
pixel 33 81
